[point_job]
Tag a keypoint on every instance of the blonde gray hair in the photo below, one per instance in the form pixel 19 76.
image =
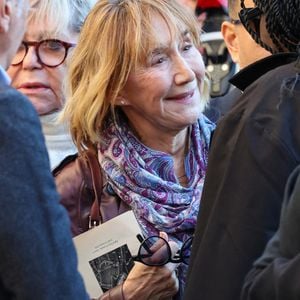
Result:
pixel 115 39
pixel 61 14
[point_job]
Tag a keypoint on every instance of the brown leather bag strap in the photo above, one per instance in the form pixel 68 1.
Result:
pixel 97 180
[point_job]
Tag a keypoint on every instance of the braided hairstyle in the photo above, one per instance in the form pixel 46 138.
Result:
pixel 282 24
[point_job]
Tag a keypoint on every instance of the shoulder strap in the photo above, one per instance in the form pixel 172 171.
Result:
pixel 63 163
pixel 95 169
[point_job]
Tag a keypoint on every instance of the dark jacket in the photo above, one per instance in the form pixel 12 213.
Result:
pixel 220 106
pixel 276 273
pixel 38 259
pixel 254 149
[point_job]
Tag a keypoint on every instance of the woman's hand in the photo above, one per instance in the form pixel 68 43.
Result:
pixel 144 282
pixel 151 283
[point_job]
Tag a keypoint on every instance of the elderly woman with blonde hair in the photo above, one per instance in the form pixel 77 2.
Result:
pixel 137 89
pixel 39 68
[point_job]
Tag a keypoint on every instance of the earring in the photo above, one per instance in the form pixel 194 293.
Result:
pixel 122 102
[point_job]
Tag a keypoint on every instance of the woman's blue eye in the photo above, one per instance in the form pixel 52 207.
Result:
pixel 187 47
pixel 53 46
pixel 158 61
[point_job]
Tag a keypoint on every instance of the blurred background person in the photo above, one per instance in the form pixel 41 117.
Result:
pixel 39 68
pixel 136 99
pixel 255 147
pixel 38 259
pixel 243 51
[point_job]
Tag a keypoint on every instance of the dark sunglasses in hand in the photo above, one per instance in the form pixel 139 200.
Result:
pixel 156 251
pixel 50 53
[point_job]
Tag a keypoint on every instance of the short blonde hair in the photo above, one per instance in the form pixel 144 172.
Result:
pixel 116 38
pixel 61 14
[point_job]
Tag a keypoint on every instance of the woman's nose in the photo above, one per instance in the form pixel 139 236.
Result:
pixel 31 60
pixel 183 72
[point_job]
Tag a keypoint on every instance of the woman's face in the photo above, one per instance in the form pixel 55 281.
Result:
pixel 165 92
pixel 41 84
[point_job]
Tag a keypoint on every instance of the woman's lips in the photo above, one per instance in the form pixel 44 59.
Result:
pixel 33 85
pixel 181 97
pixel 33 88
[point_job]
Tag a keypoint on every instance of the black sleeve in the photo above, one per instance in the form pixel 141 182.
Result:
pixel 275 275
pixel 240 207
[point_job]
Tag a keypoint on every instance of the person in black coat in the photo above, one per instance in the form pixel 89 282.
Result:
pixel 254 149
pixel 275 275
pixel 38 259
pixel 243 51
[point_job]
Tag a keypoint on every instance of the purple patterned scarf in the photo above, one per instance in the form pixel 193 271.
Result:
pixel 144 178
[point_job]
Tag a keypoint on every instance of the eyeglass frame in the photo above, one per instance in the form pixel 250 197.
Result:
pixel 37 44
pixel 177 258
pixel 235 21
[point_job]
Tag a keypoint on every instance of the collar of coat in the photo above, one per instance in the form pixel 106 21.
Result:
pixel 252 72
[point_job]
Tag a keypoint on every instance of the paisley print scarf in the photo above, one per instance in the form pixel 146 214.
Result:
pixel 144 178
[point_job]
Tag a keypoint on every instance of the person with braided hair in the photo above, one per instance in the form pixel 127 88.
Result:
pixel 254 149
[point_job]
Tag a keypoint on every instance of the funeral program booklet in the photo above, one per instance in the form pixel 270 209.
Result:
pixel 105 253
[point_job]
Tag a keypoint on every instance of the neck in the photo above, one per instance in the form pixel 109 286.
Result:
pixel 175 143
pixel 51 127
pixel 172 142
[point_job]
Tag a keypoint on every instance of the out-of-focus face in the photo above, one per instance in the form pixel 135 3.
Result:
pixel 41 84
pixel 164 94
pixel 243 49
pixel 19 13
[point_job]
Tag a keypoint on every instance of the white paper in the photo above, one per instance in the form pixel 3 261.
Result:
pixel 98 247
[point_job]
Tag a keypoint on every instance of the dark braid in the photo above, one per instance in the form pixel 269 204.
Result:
pixel 254 34
pixel 282 24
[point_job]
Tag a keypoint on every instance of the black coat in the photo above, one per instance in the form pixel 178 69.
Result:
pixel 220 106
pixel 276 273
pixel 254 149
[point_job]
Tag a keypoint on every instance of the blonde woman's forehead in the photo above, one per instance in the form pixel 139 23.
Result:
pixel 163 34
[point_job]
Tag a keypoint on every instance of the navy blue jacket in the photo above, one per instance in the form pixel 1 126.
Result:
pixel 37 256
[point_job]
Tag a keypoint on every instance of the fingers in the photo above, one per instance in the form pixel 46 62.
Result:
pixel 174 247
pixel 171 287
pixel 144 282
pixel 164 235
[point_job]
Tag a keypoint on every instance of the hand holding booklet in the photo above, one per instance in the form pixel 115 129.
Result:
pixel 105 253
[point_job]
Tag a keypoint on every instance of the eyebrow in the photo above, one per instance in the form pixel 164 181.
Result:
pixel 159 49
pixel 162 48
pixel 45 35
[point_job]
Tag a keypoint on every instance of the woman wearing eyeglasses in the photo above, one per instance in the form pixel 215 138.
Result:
pixel 138 87
pixel 39 68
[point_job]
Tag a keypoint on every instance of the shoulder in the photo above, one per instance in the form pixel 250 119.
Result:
pixel 220 106
pixel 15 107
pixel 271 82
pixel 20 128
pixel 14 97
pixel 68 176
